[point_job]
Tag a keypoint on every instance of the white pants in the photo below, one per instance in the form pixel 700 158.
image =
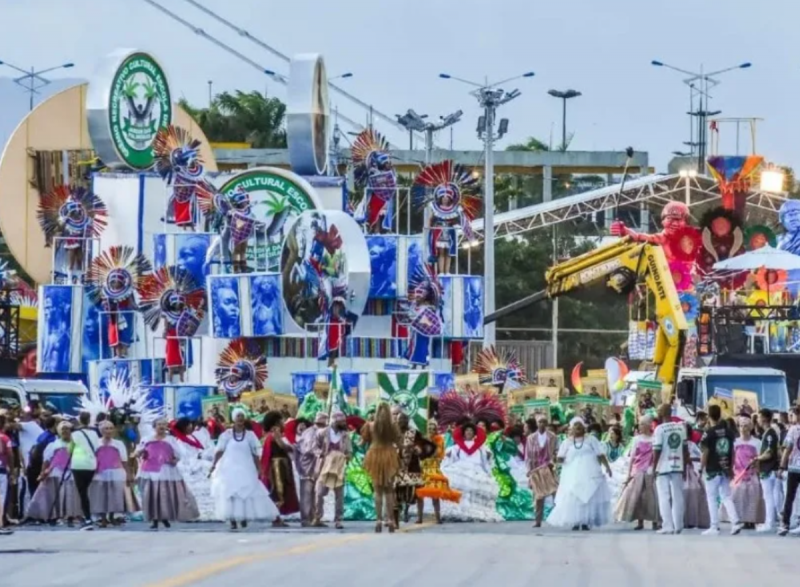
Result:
pixel 772 489
pixel 720 487
pixel 670 501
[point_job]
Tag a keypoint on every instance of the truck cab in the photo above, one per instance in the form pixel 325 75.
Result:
pixel 695 387
pixel 61 397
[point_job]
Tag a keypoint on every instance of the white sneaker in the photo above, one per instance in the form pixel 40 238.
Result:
pixel 765 528
pixel 711 532
pixel 795 531
pixel 736 528
pixel 662 531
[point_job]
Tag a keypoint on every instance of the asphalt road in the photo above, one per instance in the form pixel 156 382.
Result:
pixel 489 555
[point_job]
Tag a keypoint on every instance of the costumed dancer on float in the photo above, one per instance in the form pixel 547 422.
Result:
pixel 424 315
pixel 334 448
pixel 746 487
pixel 467 463
pixel 307 465
pixel 382 464
pixel 436 486
pixel 450 202
pixel 638 500
pixel 375 174
pixel 241 367
pixel 71 216
pixel 412 448
pixel 583 499
pixel 165 496
pixel 276 470
pixel 171 295
pixel 56 497
pixel 239 495
pixel 540 456
pixel 114 279
pixel 502 371
pixel 112 478
pixel 670 459
pixel 178 162
pixel 339 324
pixel 232 217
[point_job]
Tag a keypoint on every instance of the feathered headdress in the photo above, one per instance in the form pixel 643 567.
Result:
pixel 171 293
pixel 242 366
pixel 456 409
pixel 123 402
pixel 177 154
pixel 116 274
pixel 424 286
pixel 502 369
pixel 370 150
pixel 449 183
pixel 211 201
pixel 71 211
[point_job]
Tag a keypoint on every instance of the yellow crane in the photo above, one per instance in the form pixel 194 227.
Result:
pixel 621 265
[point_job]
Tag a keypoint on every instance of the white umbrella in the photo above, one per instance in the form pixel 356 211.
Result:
pixel 766 256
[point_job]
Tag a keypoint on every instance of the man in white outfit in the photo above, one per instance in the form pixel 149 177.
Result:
pixel 717 463
pixel 670 459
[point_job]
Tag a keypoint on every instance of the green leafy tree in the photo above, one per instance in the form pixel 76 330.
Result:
pixel 247 117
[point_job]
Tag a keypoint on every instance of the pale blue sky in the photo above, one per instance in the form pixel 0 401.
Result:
pixel 397 48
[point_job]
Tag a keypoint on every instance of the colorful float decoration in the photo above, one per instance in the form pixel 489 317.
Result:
pixel 114 279
pixel 70 216
pixel 375 174
pixel 423 314
pixel 450 200
pixel 178 162
pixel 501 370
pixel 242 367
pixel 758 236
pixel 172 297
pixel 733 175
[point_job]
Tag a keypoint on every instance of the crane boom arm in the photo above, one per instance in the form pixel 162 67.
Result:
pixel 620 266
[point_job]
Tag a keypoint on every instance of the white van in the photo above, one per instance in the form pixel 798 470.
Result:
pixel 62 397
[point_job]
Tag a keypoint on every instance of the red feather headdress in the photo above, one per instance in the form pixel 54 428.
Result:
pixel 498 368
pixel 449 183
pixel 71 211
pixel 116 274
pixel 456 409
pixel 242 366
pixel 170 293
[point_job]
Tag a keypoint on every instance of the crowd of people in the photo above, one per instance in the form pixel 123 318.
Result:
pixel 96 471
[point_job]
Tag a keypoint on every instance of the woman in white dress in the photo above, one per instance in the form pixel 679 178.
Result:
pixel 239 495
pixel 194 465
pixel 467 465
pixel 583 498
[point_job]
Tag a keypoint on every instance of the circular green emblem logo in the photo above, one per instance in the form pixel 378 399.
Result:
pixel 674 440
pixel 275 199
pixel 140 103
pixel 406 401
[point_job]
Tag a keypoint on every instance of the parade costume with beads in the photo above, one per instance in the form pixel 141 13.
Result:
pixel 501 370
pixel 449 204
pixel 178 162
pixel 113 280
pixel 171 295
pixel 242 367
pixel 71 214
pixel 375 174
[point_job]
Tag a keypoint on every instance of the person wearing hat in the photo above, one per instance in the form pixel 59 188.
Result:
pixel 334 448
pixel 306 465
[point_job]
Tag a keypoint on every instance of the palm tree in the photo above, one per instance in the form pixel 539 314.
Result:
pixel 247 117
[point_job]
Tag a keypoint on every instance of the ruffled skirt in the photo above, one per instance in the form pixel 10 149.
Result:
pixel 748 501
pixel 51 502
pixel 583 496
pixel 479 493
pixel 694 495
pixel 167 500
pixel 638 500
pixel 108 497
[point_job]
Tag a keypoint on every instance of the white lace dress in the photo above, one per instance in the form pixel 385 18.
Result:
pixel 583 497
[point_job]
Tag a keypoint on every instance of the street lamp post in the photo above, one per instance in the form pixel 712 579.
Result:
pixel 702 113
pixel 32 81
pixel 564 96
pixel 416 122
pixel 489 96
